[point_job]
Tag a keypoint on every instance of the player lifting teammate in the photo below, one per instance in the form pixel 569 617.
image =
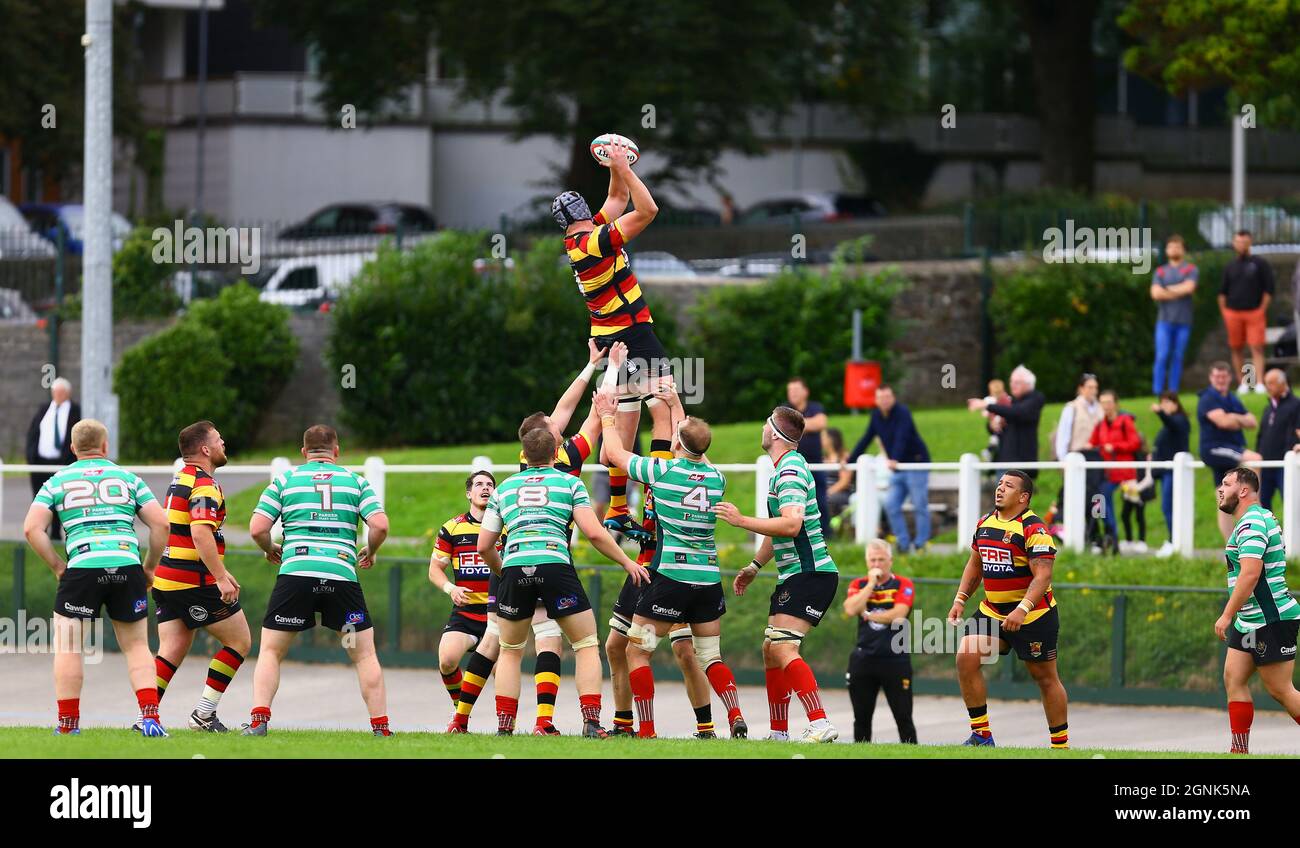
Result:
pixel 686 584
pixel 193 589
pixel 806 575
pixel 97 502
pixel 534 508
pixel 319 504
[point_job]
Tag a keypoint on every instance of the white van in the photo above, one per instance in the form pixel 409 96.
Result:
pixel 306 281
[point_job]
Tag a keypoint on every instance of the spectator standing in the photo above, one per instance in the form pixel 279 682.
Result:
pixel 49 439
pixel 1222 419
pixel 881 602
pixel 1244 297
pixel 798 397
pixel 1174 438
pixel 994 423
pixel 1172 289
pixel 1019 438
pixel 1116 437
pixel 840 492
pixel 1277 432
pixel 1079 418
pixel 892 423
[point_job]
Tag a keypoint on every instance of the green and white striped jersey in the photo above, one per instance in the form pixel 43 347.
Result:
pixel 1257 536
pixel 685 493
pixel 534 507
pixel 319 504
pixel 792 484
pixel 96 501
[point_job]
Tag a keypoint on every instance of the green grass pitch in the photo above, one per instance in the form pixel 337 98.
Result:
pixel 110 743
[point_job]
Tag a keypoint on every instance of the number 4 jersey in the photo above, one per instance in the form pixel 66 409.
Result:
pixel 97 501
pixel 320 504
pixel 685 494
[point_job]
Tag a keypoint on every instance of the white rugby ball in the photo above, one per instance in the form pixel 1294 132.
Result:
pixel 600 148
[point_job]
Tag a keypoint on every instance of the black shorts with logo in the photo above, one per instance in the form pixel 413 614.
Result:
pixel 646 358
pixel 458 623
pixel 296 599
pixel 197 607
pixel 1272 643
pixel 122 591
pixel 556 586
pixel 807 595
pixel 494 583
pixel 625 605
pixel 1034 642
pixel 666 599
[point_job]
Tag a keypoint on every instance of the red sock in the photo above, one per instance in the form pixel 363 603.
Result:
pixel 804 683
pixel 380 724
pixel 259 716
pixel 1241 714
pixel 590 706
pixel 724 683
pixel 643 698
pixel 147 698
pixel 507 709
pixel 69 714
pixel 163 671
pixel 453 683
pixel 778 700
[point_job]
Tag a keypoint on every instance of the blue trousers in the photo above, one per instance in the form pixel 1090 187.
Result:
pixel 1108 494
pixel 905 485
pixel 1171 342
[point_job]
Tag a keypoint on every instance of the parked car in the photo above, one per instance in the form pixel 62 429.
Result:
pixel 307 281
pixel 812 206
pixel 48 219
pixel 1270 225
pixel 652 264
pixel 17 241
pixel 13 309
pixel 359 219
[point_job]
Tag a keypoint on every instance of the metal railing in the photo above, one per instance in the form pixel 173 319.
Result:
pixel 867 501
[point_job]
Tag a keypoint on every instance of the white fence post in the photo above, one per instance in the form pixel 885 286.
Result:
pixel 1184 504
pixel 373 468
pixel 866 517
pixel 2 493
pixel 763 469
pixel 1291 502
pixel 1074 511
pixel 279 465
pixel 968 498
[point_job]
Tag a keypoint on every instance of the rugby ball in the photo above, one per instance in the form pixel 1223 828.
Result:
pixel 600 149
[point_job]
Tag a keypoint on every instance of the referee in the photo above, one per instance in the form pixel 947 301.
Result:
pixel 881 602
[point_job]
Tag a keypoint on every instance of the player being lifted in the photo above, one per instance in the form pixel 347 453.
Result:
pixel 466 688
pixel 534 508
pixel 806 578
pixel 319 504
pixel 594 245
pixel 686 584
pixel 193 589
pixel 97 502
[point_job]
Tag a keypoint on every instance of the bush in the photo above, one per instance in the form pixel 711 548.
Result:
pixel 1064 319
pixel 444 354
pixel 141 287
pixel 752 338
pixel 226 361
pixel 163 385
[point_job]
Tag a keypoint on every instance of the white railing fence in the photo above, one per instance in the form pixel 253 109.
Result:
pixel 871 481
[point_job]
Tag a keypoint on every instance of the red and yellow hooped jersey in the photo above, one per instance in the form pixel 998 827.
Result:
pixel 457 542
pixel 1005 547
pixel 605 279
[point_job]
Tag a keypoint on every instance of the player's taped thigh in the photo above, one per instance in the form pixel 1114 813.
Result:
pixel 493 629
pixel 547 629
pixel 513 646
pixel 619 623
pixel 630 403
pixel 589 641
pixel 679 635
pixel 783 636
pixel 708 650
pixel 644 638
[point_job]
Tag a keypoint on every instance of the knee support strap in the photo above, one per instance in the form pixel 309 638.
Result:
pixel 708 650
pixel 782 635
pixel 644 638
pixel 513 646
pixel 546 629
pixel 493 629
pixel 585 642
pixel 619 623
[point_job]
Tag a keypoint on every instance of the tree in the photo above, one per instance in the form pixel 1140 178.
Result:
pixel 685 80
pixel 1250 46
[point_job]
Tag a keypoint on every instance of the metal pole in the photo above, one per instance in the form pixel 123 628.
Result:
pixel 203 106
pixel 58 298
pixel 97 295
pixel 1238 171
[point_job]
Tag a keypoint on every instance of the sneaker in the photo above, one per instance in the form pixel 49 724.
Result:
pixel 739 730
pixel 456 727
pixel 547 730
pixel 707 734
pixel 151 727
pixel 381 731
pixel 1125 547
pixel 138 726
pixel 628 527
pixel 820 730
pixel 593 730
pixel 1138 547
pixel 59 731
pixel 976 740
pixel 1166 550
pixel 254 730
pixel 622 730
pixel 1260 389
pixel 503 732
pixel 211 724
pixel 1243 389
pixel 778 736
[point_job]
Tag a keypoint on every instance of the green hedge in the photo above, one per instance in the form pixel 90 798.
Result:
pixel 753 337
pixel 1063 319
pixel 443 353
pixel 141 287
pixel 225 360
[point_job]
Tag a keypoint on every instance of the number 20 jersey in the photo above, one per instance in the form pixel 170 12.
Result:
pixel 97 501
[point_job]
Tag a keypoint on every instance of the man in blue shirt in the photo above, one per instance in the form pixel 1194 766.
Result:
pixel 1172 290
pixel 1222 418
pixel 892 423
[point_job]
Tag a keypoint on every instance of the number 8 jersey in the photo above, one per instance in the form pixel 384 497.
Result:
pixel 534 507
pixel 97 501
